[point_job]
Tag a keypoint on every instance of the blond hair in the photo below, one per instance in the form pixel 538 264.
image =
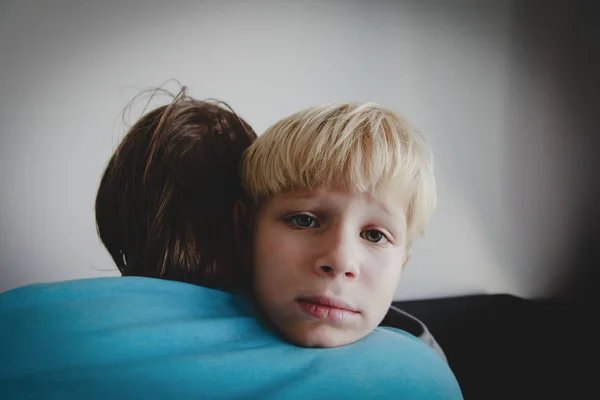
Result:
pixel 358 147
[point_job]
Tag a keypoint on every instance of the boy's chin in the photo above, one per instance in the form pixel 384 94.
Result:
pixel 321 335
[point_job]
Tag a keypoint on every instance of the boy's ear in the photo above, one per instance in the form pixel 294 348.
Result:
pixel 407 258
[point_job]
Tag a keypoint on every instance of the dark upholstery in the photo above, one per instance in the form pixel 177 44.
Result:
pixel 505 347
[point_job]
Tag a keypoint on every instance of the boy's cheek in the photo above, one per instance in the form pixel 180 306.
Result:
pixel 381 285
pixel 277 244
pixel 274 259
pixel 383 272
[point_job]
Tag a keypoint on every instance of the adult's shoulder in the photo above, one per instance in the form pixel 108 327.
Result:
pixel 127 292
pixel 194 341
pixel 392 362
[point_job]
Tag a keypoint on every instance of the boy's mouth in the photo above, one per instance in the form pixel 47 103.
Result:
pixel 326 308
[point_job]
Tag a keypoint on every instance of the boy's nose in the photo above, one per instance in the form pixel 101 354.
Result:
pixel 338 257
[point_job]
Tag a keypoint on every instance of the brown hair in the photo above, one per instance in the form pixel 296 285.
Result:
pixel 165 202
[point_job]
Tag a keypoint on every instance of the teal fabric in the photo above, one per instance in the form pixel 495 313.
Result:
pixel 142 338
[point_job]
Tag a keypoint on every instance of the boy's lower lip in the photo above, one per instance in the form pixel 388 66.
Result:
pixel 323 312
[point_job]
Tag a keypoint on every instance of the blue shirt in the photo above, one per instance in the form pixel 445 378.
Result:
pixel 143 338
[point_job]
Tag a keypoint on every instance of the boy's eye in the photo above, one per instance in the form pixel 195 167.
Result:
pixel 303 220
pixel 373 235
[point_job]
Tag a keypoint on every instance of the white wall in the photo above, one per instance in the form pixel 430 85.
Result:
pixel 68 69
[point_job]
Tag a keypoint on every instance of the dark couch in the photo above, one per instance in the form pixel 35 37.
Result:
pixel 505 347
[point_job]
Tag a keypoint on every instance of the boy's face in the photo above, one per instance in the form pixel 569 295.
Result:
pixel 327 263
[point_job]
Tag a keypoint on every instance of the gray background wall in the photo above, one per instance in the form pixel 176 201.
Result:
pixel 483 80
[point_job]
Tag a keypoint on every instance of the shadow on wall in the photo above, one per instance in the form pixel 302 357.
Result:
pixel 581 64
pixel 529 227
pixel 553 133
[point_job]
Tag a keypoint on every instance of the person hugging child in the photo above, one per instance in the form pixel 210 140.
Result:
pixel 165 206
pixel 164 203
pixel 300 234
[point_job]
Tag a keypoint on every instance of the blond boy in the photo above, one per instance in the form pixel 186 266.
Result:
pixel 338 194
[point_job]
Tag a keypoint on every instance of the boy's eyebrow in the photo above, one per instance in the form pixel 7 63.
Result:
pixel 305 195
pixel 288 198
pixel 385 209
pixel 300 194
pixel 389 211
